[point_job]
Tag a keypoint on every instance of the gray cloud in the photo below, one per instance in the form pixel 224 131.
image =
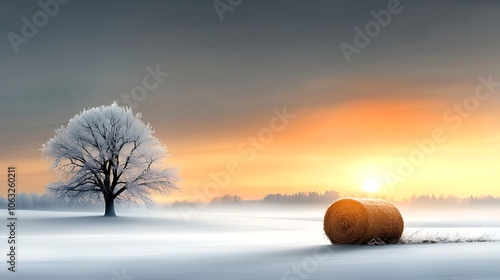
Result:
pixel 225 72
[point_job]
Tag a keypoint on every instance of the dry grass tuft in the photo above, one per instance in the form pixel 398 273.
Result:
pixel 420 236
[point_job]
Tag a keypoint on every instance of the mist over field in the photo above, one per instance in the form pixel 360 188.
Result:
pixel 278 237
pixel 247 242
pixel 302 202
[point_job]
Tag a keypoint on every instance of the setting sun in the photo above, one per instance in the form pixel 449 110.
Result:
pixel 371 185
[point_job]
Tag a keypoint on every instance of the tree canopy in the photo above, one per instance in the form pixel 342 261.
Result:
pixel 108 153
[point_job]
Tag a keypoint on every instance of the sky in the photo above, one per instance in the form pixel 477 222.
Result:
pixel 267 86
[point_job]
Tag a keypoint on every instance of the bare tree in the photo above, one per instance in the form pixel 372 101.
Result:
pixel 108 153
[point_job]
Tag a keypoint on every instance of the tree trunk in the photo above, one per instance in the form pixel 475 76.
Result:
pixel 110 207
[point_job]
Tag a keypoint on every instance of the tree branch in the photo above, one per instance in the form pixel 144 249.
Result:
pixel 119 192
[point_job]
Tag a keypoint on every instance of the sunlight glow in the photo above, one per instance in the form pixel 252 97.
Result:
pixel 371 185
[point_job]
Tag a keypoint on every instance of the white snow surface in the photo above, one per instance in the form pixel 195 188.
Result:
pixel 235 245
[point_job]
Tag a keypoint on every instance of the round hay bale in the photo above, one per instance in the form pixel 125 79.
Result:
pixel 359 221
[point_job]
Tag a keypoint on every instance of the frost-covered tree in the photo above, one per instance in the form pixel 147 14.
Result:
pixel 108 154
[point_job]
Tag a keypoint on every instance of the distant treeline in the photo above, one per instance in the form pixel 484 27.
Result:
pixel 303 197
pixel 296 198
pixel 326 198
pixel 34 201
pixel 451 201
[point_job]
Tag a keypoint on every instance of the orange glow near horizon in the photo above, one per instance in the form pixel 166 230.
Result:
pixel 337 148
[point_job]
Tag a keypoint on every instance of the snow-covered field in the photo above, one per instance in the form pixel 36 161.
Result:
pixel 237 245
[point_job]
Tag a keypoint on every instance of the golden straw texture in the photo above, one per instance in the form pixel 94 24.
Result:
pixel 359 221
